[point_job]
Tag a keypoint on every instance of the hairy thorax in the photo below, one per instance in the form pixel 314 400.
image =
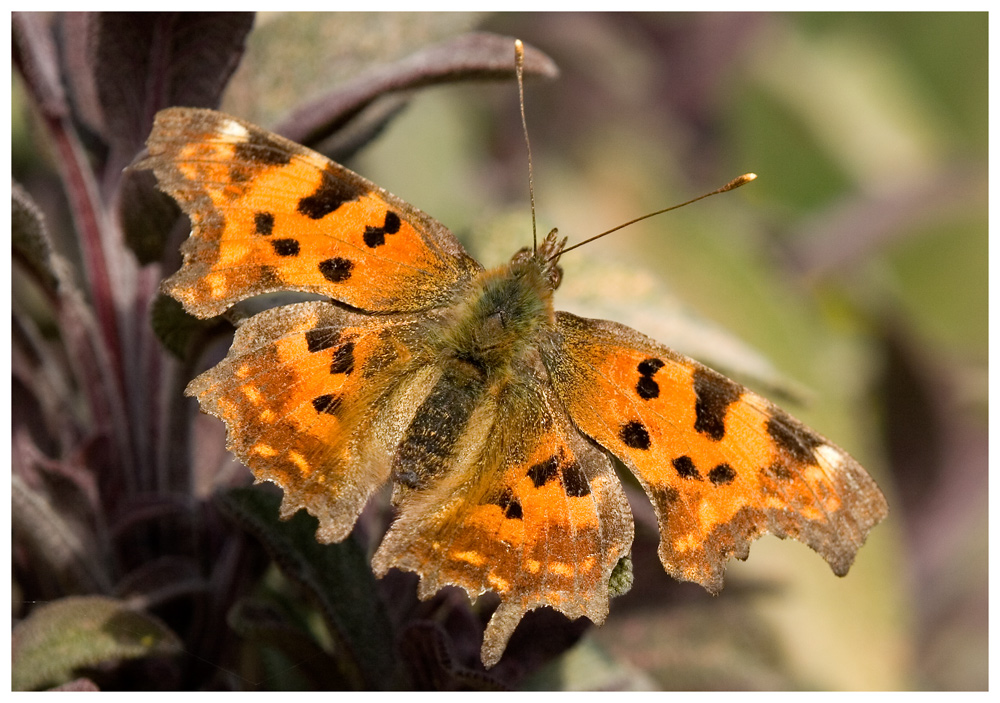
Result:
pixel 481 344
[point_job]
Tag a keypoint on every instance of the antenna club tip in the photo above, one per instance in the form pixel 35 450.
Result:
pixel 739 181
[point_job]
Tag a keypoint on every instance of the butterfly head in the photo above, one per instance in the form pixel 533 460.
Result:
pixel 544 259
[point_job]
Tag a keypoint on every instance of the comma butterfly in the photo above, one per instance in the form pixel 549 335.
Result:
pixel 492 414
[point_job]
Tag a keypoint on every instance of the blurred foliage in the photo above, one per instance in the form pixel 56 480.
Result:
pixel 853 272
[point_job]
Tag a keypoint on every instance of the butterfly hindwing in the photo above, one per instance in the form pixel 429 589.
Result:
pixel 721 465
pixel 268 214
pixel 304 392
pixel 532 511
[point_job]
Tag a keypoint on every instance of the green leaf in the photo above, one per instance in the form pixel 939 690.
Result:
pixel 339 577
pixel 60 638
pixel 176 329
pixel 621 579
pixel 285 656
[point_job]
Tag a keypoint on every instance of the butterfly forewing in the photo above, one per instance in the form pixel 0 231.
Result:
pixel 268 215
pixel 721 464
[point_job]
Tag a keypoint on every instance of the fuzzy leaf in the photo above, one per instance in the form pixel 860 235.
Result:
pixel 285 657
pixel 29 237
pixel 622 578
pixel 51 524
pixel 145 62
pixel 60 638
pixel 148 215
pixel 473 56
pixel 339 577
pixel 175 328
pixel 432 664
pixel 35 55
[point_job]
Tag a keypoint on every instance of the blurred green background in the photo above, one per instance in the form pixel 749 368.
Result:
pixel 849 283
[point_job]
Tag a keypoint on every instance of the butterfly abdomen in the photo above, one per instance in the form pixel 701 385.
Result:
pixel 440 422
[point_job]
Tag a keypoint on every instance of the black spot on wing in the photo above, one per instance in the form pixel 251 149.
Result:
pixel 510 505
pixel 333 191
pixel 327 404
pixel 685 468
pixel 647 388
pixel 375 236
pixel 337 269
pixel 650 366
pixel 722 474
pixel 392 222
pixel 343 359
pixel 320 338
pixel 544 471
pixel 263 223
pixel 715 393
pixel 259 149
pixel 285 247
pixel 794 438
pixel 634 434
pixel 575 482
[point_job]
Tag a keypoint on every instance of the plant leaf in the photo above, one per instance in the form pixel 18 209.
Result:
pixel 35 55
pixel 285 657
pixel 148 216
pixel 60 638
pixel 29 237
pixel 339 577
pixel 176 329
pixel 143 62
pixel 473 56
pixel 51 524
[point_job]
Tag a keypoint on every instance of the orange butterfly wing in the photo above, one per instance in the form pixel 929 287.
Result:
pixel 303 392
pixel 268 214
pixel 529 509
pixel 721 464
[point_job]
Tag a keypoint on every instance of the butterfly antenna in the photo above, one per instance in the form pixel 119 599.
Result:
pixel 519 67
pixel 735 183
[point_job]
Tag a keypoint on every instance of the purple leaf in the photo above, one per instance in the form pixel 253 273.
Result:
pixel 35 55
pixel 475 56
pixel 145 62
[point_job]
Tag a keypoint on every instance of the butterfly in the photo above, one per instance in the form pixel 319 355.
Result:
pixel 493 415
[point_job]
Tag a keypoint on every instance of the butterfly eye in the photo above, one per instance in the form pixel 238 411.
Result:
pixel 521 255
pixel 555 276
